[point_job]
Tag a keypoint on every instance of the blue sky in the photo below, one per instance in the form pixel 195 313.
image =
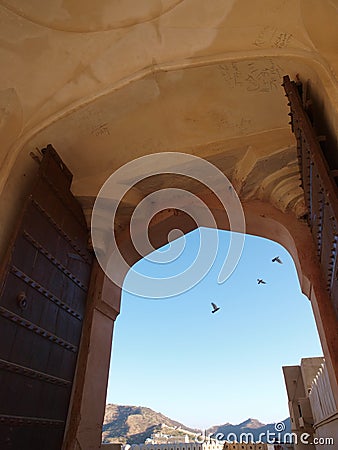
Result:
pixel 203 369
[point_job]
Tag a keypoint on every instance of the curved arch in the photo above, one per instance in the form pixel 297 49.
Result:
pixel 263 220
pixel 34 134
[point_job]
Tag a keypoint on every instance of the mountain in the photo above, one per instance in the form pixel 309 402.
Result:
pixel 251 427
pixel 246 426
pixel 135 424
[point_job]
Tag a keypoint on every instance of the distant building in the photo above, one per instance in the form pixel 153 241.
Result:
pixel 312 406
pixel 171 435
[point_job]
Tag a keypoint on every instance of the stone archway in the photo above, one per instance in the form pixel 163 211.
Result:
pixel 266 221
pixel 198 77
pixel 263 220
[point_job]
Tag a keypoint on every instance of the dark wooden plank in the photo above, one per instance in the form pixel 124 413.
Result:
pixel 329 250
pixel 42 302
pixel 320 189
pixel 317 210
pixel 21 437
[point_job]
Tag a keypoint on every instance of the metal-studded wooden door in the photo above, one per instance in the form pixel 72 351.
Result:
pixel 43 291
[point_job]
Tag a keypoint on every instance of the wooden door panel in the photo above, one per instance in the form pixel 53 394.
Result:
pixel 35 405
pixel 42 303
pixel 45 212
pixel 16 436
pixel 60 225
pixel 56 251
pixel 24 342
pixel 42 308
pixel 53 208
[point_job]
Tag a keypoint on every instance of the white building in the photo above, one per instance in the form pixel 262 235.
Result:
pixel 313 410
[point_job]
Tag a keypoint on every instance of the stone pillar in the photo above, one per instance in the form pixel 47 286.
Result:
pixel 87 406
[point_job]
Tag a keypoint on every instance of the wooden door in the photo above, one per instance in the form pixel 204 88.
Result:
pixel 44 284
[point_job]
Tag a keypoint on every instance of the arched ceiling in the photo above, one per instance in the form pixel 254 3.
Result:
pixel 86 17
pixel 111 81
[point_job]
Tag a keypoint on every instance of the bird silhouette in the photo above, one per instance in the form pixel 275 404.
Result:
pixel 277 259
pixel 216 308
pixel 260 281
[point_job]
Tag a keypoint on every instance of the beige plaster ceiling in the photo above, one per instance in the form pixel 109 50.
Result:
pixel 88 16
pixel 111 81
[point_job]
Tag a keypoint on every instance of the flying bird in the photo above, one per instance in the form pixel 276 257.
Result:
pixel 260 281
pixel 277 259
pixel 216 308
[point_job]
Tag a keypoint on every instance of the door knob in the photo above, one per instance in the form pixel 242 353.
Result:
pixel 22 300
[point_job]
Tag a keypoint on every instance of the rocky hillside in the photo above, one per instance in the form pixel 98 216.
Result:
pixel 134 424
